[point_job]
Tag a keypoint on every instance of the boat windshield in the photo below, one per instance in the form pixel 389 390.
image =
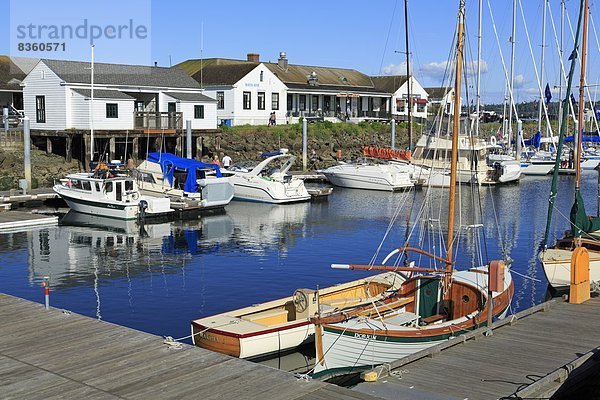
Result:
pixel 244 166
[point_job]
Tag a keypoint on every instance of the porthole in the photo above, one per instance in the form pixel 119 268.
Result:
pixel 465 298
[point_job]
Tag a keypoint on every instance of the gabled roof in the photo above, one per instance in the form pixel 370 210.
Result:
pixel 121 74
pixel 227 74
pixel 190 97
pixel 437 92
pixel 326 76
pixel 104 94
pixel 389 83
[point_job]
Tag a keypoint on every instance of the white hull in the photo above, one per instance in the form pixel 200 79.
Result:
pixel 275 342
pixel 557 267
pixel 101 208
pixel 536 169
pixel 254 188
pixel 369 177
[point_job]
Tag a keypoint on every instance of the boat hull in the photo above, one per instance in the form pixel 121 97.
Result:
pixel 557 267
pixel 368 177
pixel 104 209
pixel 268 192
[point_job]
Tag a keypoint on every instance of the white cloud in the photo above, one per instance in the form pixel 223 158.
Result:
pixel 437 70
pixel 520 81
pixel 394 69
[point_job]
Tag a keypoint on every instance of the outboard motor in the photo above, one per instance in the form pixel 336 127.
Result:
pixel 142 206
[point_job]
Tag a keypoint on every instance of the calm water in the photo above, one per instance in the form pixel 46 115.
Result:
pixel 159 279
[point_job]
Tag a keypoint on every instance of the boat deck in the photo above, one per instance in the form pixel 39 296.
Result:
pixel 520 360
pixel 50 353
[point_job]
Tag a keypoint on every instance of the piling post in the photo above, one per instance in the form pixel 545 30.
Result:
pixel 5 113
pixel 27 151
pixel 393 124
pixel 579 290
pixel 519 138
pixel 304 144
pixel 188 138
pixel 46 286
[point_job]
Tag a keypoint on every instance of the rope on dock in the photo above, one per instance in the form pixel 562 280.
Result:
pixel 175 343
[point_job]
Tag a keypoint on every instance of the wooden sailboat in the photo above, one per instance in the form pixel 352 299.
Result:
pixel 431 306
pixel 585 231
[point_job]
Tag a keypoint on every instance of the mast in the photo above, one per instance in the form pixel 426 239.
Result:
pixel 409 99
pixel 92 109
pixel 580 118
pixel 455 133
pixel 512 73
pixel 478 83
pixel 542 66
pixel 561 137
pixel 560 77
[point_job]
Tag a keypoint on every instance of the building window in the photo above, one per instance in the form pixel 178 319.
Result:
pixel 290 102
pixel 302 101
pixel 262 75
pixel 247 101
pixel 275 101
pixel 198 112
pixel 112 110
pixel 171 107
pixel 315 102
pixel 40 109
pixel 420 107
pixel 220 100
pixel 261 100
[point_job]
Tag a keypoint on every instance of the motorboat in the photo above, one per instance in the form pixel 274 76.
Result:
pixel 266 180
pixel 369 174
pixel 284 324
pixel 508 168
pixel 105 194
pixel 177 178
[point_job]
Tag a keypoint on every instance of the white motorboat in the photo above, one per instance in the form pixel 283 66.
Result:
pixel 166 175
pixel 369 174
pixel 509 169
pixel 267 180
pixel 434 152
pixel 97 193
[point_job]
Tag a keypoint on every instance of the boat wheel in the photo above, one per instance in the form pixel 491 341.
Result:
pixel 300 300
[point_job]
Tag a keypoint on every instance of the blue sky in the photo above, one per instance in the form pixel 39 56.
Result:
pixel 353 34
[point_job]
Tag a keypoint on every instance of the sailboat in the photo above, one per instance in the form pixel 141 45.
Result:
pixel 585 231
pixel 434 303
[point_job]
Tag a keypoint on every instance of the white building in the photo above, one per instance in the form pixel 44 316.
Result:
pixel 57 96
pixel 397 87
pixel 441 98
pixel 248 91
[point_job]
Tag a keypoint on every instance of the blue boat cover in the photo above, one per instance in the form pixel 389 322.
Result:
pixel 168 162
pixel 587 137
pixel 535 141
pixel 270 154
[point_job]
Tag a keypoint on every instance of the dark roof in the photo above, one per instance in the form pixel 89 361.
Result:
pixel 222 71
pixel 11 74
pixel 190 96
pixel 121 74
pixel 104 94
pixel 389 83
pixel 437 92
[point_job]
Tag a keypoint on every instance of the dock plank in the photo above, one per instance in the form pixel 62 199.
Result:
pixel 46 353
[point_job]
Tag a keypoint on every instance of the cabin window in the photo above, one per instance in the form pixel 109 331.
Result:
pixel 108 187
pixel 198 112
pixel 40 109
pixel 97 186
pixel 128 186
pixel 261 100
pixel 76 184
pixel 119 191
pixel 275 101
pixel 247 102
pixel 220 100
pixel 112 110
pixel 302 101
pixel 145 177
pixel 86 186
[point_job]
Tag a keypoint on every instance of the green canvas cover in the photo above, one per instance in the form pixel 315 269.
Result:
pixel 580 221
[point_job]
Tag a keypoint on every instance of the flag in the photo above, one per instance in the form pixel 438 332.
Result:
pixel 573 55
pixel 548 93
pixel 597 112
pixel 573 101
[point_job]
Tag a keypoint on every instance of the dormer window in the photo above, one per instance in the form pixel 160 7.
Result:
pixel 312 79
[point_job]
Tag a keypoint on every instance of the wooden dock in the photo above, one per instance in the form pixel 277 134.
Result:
pixel 51 353
pixel 11 221
pixel 528 357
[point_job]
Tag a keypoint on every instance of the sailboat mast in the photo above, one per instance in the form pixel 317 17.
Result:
pixel 91 108
pixel 409 99
pixel 512 74
pixel 580 118
pixel 542 65
pixel 560 76
pixel 455 133
pixel 478 83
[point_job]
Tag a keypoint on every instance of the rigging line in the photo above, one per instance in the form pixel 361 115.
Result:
pixel 537 75
pixel 585 88
pixel 387 38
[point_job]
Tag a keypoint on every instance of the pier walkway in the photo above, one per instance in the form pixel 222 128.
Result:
pixel 55 354
pixel 529 358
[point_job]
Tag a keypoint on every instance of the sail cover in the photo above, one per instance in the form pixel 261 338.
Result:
pixel 580 222
pixel 534 141
pixel 169 162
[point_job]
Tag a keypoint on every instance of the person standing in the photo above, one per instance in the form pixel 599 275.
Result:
pixel 226 161
pixel 216 160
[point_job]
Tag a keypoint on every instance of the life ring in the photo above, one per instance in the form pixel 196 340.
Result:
pixel 135 195
pixel 493 140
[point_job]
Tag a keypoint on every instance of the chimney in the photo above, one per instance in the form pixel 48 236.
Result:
pixel 282 62
pixel 253 57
